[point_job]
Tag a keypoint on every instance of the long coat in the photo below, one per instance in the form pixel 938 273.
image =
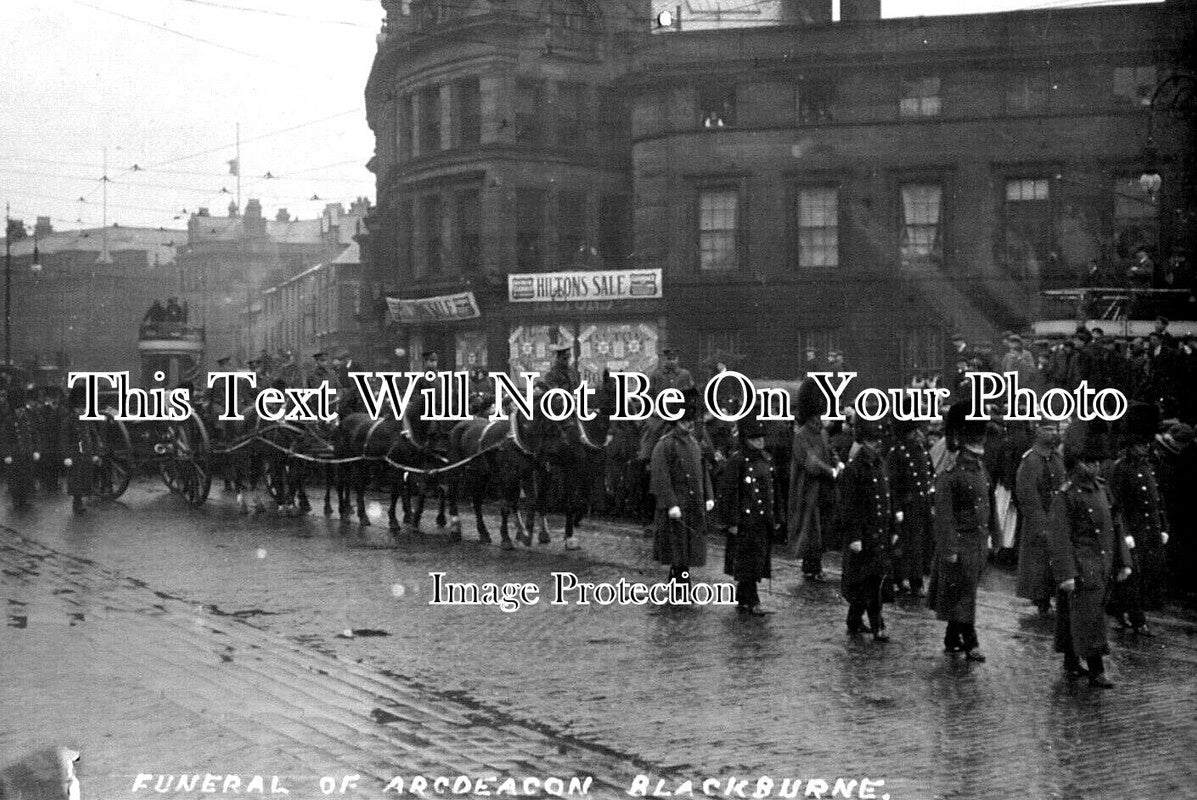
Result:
pixel 811 486
pixel 1038 479
pixel 912 481
pixel 1085 547
pixel 961 529
pixel 747 494
pixel 678 477
pixel 1139 507
pixel 866 516
pixel 19 441
pixel 78 441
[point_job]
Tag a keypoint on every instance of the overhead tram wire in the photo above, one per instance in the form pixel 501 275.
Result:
pixel 274 13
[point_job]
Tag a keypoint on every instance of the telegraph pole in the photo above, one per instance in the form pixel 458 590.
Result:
pixel 7 285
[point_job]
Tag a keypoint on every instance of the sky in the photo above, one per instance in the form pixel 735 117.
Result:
pixel 164 84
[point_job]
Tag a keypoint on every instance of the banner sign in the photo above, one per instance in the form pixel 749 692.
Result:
pixel 444 308
pixel 623 284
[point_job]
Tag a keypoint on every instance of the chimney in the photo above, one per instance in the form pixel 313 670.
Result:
pixel 855 10
pixel 282 216
pixel 233 210
pixel 43 228
pixel 805 12
pixel 203 212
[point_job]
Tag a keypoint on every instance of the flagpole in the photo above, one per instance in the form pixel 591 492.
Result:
pixel 238 167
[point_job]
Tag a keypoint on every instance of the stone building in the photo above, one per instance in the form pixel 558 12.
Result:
pixel 79 306
pixel 798 184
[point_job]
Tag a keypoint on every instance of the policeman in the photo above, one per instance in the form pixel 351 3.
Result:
pixel 1139 508
pixel 912 481
pixel 18 446
pixel 1086 551
pixel 562 375
pixel 1039 477
pixel 961 534
pixel 868 517
pixel 747 492
pixel 682 486
pixel 80 448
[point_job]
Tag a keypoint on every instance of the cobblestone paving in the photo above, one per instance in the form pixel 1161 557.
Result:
pixel 205 627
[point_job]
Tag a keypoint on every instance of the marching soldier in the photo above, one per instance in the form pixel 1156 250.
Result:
pixel 684 496
pixel 912 482
pixel 667 375
pixel 18 445
pixel 80 449
pixel 748 495
pixel 322 372
pixel 1140 509
pixel 867 517
pixel 813 469
pixel 961 534
pixel 1086 551
pixel 562 375
pixel 48 414
pixel 1039 477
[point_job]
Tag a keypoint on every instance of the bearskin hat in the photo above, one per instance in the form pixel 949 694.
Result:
pixel 1142 422
pixel 78 396
pixel 1086 441
pixel 957 425
pixel 689 404
pixel 869 430
pixel 751 427
pixel 810 401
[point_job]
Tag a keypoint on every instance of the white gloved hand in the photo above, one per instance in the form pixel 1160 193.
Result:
pixel 856 546
pixel 8 459
pixel 66 462
pixel 95 459
pixel 1163 537
pixel 1130 543
pixel 1068 585
pixel 1123 574
pixel 710 504
pixel 899 516
pixel 37 456
pixel 675 512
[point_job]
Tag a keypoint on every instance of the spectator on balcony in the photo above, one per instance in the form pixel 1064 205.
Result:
pixel 1142 271
pixel 155 314
pixel 1019 360
pixel 173 312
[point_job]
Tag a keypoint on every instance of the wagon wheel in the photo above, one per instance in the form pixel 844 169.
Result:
pixel 186 470
pixel 112 474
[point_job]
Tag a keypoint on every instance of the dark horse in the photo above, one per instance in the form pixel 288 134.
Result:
pixel 532 457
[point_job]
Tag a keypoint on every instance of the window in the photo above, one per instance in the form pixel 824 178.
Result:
pixel 813 100
pixel 529 228
pixel 921 240
pixel 921 352
pixel 469 112
pixel 571 228
pixel 529 111
pixel 407 239
pixel 406 114
pixel 721 344
pixel 920 97
pixel 614 124
pixel 1134 84
pixel 718 213
pixel 572 120
pixel 815 345
pixel 818 227
pixel 571 24
pixel 432 219
pixel 430 120
pixel 615 227
pixel 1028 92
pixel 1029 239
pixel 716 106
pixel 1136 220
pixel 469 225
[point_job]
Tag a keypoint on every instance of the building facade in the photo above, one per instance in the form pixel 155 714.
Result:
pixel 79 305
pixel 502 149
pixel 229 261
pixel 795 188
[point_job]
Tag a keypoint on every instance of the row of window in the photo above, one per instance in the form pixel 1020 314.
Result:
pixel 551 231
pixel 920 349
pixel 815 98
pixel 567 114
pixel 1030 223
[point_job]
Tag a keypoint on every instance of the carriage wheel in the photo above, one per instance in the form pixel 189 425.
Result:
pixel 195 482
pixel 112 474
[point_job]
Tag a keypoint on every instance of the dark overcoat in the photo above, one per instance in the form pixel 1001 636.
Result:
pixel 912 482
pixel 811 485
pixel 18 442
pixel 1139 508
pixel 1036 483
pixel 961 529
pixel 678 477
pixel 866 516
pixel 747 493
pixel 79 441
pixel 1085 547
